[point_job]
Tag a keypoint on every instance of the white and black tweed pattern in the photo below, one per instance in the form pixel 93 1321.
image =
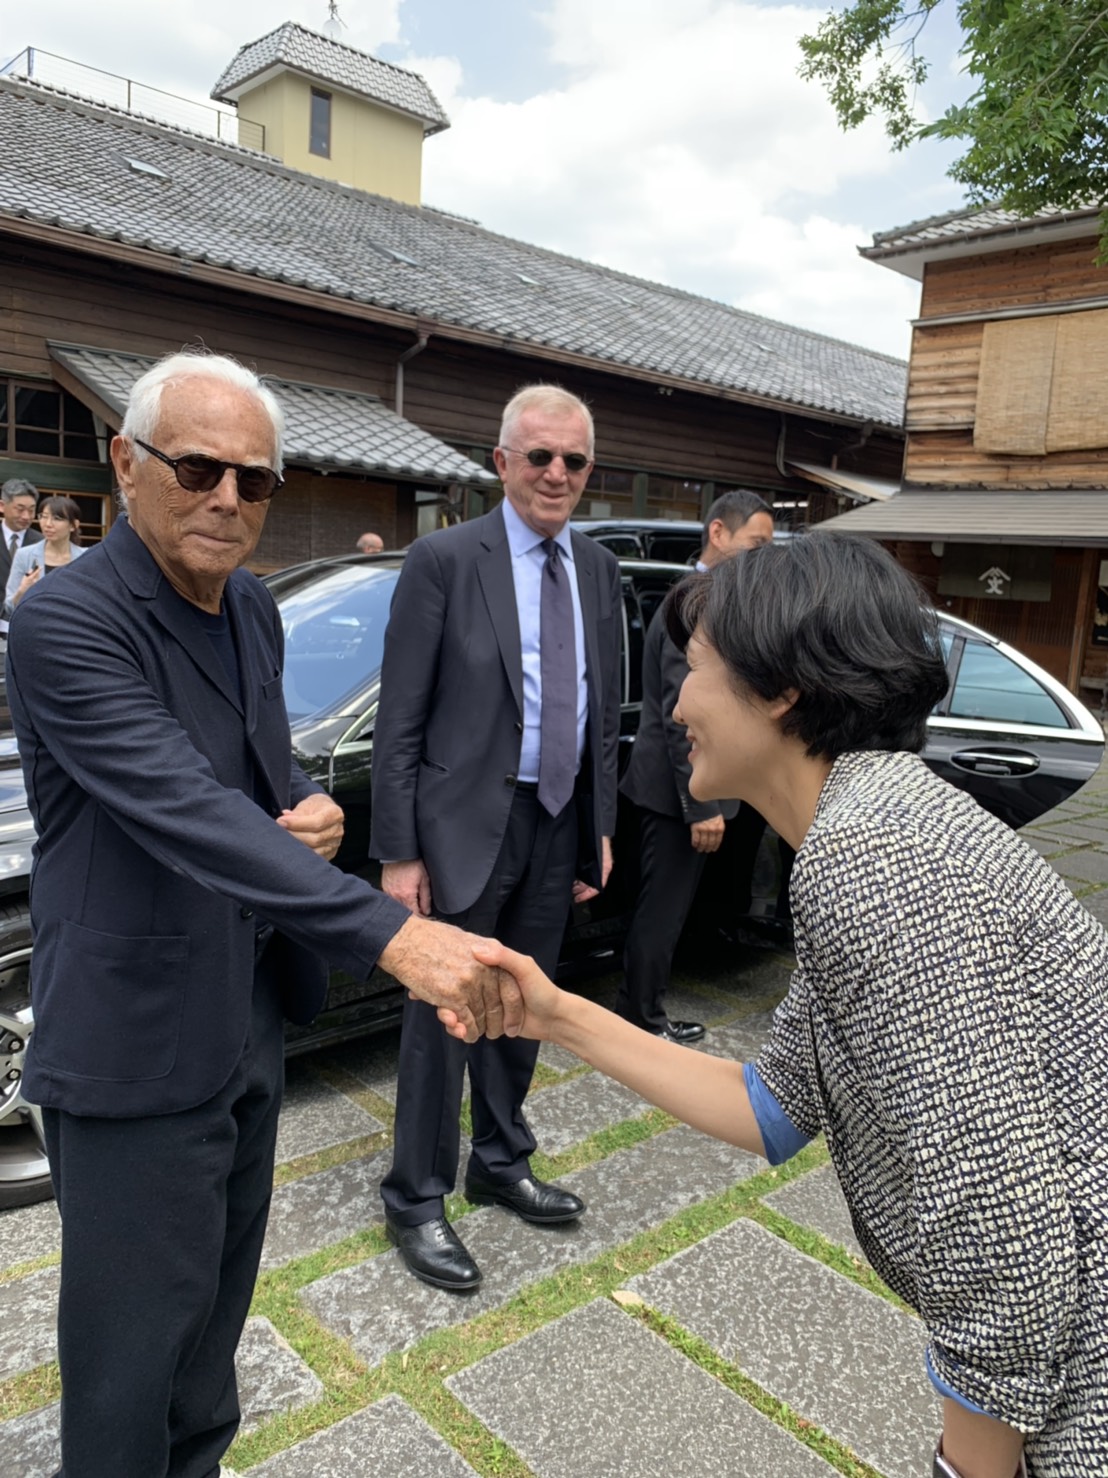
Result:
pixel 947 1030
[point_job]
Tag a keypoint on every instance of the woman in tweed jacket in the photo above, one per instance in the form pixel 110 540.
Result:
pixel 947 1026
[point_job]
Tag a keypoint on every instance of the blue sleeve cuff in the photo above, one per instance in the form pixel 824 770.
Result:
pixel 780 1136
pixel 945 1390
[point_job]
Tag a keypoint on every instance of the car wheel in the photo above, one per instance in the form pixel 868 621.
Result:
pixel 24 1173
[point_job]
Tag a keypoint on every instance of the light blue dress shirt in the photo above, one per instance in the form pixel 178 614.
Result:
pixel 527 567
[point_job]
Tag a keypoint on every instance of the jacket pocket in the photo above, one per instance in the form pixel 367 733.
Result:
pixel 112 1010
pixel 433 765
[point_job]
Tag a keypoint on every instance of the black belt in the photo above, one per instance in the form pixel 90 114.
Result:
pixel 529 787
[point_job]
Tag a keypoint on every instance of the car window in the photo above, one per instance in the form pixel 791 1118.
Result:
pixel 334 635
pixel 677 549
pixel 992 686
pixel 624 546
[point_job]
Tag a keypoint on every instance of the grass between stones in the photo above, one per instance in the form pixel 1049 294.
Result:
pixel 418 1375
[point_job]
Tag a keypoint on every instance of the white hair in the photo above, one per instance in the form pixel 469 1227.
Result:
pixel 145 401
pixel 550 398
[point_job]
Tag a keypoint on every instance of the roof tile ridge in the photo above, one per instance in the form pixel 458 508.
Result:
pixel 617 273
pixel 140 122
pixel 365 56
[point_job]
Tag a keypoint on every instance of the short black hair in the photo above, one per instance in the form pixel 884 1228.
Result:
pixel 734 508
pixel 834 617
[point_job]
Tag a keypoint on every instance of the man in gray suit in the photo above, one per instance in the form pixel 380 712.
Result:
pixel 18 501
pixel 494 798
pixel 677 833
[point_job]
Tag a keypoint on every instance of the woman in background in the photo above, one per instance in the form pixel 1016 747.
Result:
pixel 59 518
pixel 947 1026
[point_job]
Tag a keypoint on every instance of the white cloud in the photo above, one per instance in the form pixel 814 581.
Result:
pixel 684 149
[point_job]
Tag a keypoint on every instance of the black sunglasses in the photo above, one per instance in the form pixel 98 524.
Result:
pixel 199 474
pixel 540 456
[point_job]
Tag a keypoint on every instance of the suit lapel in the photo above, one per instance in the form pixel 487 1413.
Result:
pixel 590 614
pixel 494 571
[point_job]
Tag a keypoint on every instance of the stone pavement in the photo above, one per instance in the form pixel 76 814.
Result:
pixel 708 1316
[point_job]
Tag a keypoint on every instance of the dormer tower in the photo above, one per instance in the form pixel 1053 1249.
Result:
pixel 333 111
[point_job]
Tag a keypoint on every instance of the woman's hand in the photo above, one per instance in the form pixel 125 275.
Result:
pixel 34 574
pixel 541 997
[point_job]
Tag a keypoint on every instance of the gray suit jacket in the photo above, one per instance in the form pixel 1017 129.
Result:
pixel 449 726
pixel 657 777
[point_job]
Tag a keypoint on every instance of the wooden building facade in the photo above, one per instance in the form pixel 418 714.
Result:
pixel 122 235
pixel 1003 509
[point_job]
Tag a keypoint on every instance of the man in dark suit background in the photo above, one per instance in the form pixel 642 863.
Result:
pixel 181 902
pixel 677 833
pixel 18 502
pixel 494 797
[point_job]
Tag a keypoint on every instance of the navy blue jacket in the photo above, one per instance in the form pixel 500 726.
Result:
pixel 154 795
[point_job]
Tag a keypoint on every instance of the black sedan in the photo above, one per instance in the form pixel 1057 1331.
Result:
pixel 1006 731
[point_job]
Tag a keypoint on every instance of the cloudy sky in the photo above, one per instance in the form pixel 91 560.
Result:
pixel 668 138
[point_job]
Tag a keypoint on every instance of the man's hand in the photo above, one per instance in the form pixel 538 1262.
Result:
pixel 410 884
pixel 437 964
pixel 707 835
pixel 540 995
pixel 581 891
pixel 317 822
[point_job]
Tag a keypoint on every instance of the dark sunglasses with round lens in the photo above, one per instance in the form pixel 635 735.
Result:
pixel 541 456
pixel 200 474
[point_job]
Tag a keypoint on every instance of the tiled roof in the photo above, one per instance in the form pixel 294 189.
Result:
pixel 65 163
pixel 336 429
pixel 969 516
pixel 960 225
pixel 307 51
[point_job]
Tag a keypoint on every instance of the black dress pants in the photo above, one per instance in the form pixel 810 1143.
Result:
pixel 525 905
pixel 670 870
pixel 162 1226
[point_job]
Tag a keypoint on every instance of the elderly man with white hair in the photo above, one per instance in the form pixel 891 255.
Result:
pixel 183 904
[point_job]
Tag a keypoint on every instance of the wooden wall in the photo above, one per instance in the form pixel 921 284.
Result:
pixel 945 360
pixel 454 390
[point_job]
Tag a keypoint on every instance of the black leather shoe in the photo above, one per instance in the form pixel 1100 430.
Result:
pixel 532 1199
pixel 682 1031
pixel 434 1252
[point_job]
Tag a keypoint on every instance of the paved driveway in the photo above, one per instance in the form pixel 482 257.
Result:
pixel 707 1316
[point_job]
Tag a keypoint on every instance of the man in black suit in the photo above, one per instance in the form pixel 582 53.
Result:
pixel 182 903
pixel 494 797
pixel 677 833
pixel 18 501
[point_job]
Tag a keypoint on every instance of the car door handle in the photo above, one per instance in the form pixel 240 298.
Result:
pixel 996 761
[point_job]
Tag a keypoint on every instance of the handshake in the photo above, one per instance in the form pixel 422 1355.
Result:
pixel 477 987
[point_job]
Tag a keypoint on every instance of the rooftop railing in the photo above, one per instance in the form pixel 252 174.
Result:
pixel 134 97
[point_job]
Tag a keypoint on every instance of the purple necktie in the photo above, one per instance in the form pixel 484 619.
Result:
pixel 558 665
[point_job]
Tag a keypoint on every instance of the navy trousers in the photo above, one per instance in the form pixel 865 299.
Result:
pixel 670 872
pixel 525 905
pixel 162 1226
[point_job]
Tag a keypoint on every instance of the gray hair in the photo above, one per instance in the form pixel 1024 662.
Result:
pixel 145 401
pixel 18 487
pixel 550 398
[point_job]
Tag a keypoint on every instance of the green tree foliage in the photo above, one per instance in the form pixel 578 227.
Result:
pixel 1036 123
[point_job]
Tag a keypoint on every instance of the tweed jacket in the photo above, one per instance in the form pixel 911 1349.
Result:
pixel 947 1030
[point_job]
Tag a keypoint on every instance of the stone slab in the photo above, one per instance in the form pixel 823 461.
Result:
pixel 838 1355
pixel 1088 866
pixel 323 1208
pixel 385 1440
pixel 272 1379
pixel 373 1060
pixel 815 1200
pixel 1097 904
pixel 30 1323
pixel 597 1393
pixel 566 1113
pixel 1046 844
pixel 29 1232
pixel 379 1307
pixel 558 1059
pixel 271 1375
pixel 315 1116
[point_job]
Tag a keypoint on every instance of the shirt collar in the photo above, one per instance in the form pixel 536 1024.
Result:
pixel 522 538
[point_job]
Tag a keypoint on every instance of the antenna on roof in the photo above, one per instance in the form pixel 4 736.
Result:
pixel 335 22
